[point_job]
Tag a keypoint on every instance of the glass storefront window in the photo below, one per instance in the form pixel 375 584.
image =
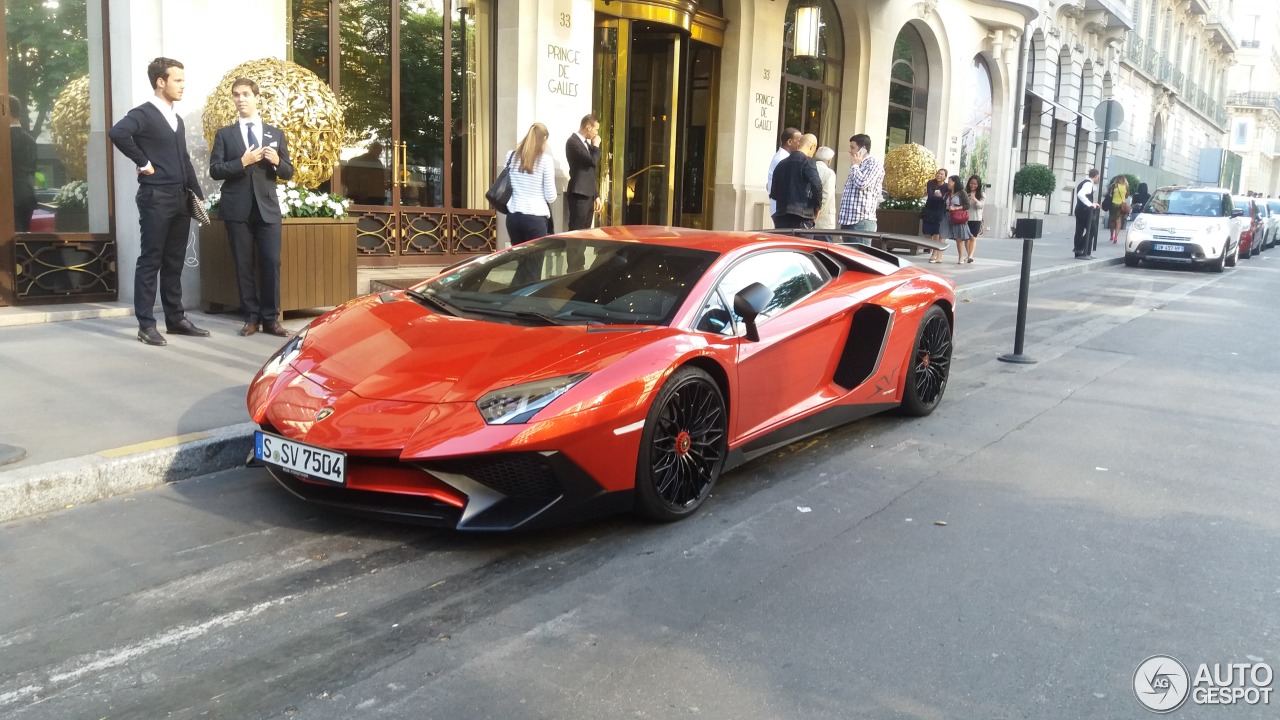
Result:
pixel 908 89
pixel 811 85
pixel 58 122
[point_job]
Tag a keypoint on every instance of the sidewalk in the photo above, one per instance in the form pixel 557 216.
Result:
pixel 90 412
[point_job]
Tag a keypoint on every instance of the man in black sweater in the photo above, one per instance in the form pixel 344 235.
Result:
pixel 154 138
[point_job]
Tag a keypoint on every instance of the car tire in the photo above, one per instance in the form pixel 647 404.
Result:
pixel 683 446
pixel 1231 259
pixel 1131 260
pixel 929 366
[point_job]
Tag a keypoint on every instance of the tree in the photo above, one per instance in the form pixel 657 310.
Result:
pixel 48 47
pixel 1034 179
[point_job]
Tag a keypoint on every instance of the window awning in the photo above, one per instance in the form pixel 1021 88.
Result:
pixel 1061 113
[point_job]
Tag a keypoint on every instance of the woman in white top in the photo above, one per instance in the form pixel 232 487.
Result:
pixel 533 186
pixel 973 187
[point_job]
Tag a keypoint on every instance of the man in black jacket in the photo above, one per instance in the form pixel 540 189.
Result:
pixel 797 187
pixel 582 197
pixel 154 138
pixel 248 156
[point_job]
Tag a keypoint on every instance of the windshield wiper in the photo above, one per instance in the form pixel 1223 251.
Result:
pixel 434 301
pixel 520 315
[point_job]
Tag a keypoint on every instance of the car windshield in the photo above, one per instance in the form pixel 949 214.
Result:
pixel 1185 202
pixel 570 281
pixel 1274 207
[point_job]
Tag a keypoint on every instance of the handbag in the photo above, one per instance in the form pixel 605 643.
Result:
pixel 959 215
pixel 499 194
pixel 197 207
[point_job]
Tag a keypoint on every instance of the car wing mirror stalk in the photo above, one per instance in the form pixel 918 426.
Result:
pixel 749 303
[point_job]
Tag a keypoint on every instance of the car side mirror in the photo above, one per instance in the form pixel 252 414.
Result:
pixel 749 303
pixel 1237 213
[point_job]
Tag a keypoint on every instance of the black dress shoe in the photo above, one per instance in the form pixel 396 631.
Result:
pixel 184 327
pixel 276 329
pixel 151 336
pixel 248 329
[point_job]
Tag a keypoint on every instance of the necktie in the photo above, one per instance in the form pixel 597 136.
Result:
pixel 253 139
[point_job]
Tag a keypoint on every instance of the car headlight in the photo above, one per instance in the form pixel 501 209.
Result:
pixel 1140 223
pixel 519 403
pixel 286 354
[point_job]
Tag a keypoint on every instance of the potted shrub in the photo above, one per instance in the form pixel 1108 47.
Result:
pixel 1032 180
pixel 907 171
pixel 71 214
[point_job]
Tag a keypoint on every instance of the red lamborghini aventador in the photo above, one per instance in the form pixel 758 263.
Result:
pixel 604 370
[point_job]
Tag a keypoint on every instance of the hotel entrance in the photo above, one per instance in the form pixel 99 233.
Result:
pixel 657 71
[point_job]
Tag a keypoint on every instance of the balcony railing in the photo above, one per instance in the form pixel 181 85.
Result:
pixel 1134 45
pixel 1219 21
pixel 1256 99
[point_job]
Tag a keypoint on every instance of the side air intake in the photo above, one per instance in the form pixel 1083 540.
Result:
pixel 862 349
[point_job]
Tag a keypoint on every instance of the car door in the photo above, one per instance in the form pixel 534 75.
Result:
pixel 789 367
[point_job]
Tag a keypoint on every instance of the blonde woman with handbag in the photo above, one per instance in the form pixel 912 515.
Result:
pixel 533 187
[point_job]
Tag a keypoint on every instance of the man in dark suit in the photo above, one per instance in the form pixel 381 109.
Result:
pixel 797 187
pixel 155 139
pixel 582 197
pixel 248 156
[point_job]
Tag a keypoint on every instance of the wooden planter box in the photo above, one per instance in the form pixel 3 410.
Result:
pixel 317 265
pixel 901 222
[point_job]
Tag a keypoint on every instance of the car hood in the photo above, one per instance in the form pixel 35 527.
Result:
pixel 1181 223
pixel 402 351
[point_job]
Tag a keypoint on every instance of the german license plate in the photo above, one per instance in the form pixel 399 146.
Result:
pixel 1169 248
pixel 316 463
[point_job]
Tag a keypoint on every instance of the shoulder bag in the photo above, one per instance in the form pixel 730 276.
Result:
pixel 499 194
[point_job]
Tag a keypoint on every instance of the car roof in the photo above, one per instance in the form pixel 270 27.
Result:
pixel 1191 188
pixel 714 240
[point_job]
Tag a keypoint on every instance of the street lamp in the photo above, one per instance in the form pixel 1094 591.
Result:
pixel 805 30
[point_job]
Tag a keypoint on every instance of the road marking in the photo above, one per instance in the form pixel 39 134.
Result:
pixel 153 445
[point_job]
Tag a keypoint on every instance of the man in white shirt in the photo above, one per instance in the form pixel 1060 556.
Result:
pixel 1084 207
pixel 788 142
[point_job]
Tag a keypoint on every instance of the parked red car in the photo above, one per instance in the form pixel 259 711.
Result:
pixel 1247 208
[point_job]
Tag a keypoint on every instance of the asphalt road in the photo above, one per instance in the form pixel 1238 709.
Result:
pixel 1115 501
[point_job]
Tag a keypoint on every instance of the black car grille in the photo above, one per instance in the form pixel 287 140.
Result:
pixel 516 475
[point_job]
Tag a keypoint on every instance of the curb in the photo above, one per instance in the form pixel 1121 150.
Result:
pixel 14 317
pixel 62 483
pixel 990 287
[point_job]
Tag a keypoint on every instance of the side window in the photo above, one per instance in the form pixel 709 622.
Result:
pixel 791 276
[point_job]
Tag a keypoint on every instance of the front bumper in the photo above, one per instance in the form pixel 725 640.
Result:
pixel 490 492
pixel 1191 253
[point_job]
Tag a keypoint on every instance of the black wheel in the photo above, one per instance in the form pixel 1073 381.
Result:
pixel 683 446
pixel 930 364
pixel 1231 259
pixel 1131 260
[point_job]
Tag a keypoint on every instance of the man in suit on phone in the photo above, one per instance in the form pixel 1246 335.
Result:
pixel 155 139
pixel 249 156
pixel 582 197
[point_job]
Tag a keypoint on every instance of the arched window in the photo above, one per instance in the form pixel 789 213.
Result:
pixel 908 89
pixel 811 84
pixel 1061 92
pixel 975 141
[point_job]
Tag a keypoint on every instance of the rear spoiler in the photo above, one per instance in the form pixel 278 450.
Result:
pixel 880 242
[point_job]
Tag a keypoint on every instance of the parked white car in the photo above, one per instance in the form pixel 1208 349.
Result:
pixel 1186 225
pixel 1273 222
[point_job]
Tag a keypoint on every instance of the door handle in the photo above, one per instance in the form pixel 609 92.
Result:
pixel 404 164
pixel 395 165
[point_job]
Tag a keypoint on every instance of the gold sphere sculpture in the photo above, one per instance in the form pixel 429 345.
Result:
pixel 293 99
pixel 908 169
pixel 70 127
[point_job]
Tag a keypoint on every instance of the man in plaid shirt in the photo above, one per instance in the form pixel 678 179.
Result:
pixel 861 189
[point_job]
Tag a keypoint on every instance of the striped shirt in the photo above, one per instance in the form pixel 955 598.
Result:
pixel 862 192
pixel 530 192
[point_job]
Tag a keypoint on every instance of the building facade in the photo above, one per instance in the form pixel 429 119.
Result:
pixel 691 95
pixel 1253 99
